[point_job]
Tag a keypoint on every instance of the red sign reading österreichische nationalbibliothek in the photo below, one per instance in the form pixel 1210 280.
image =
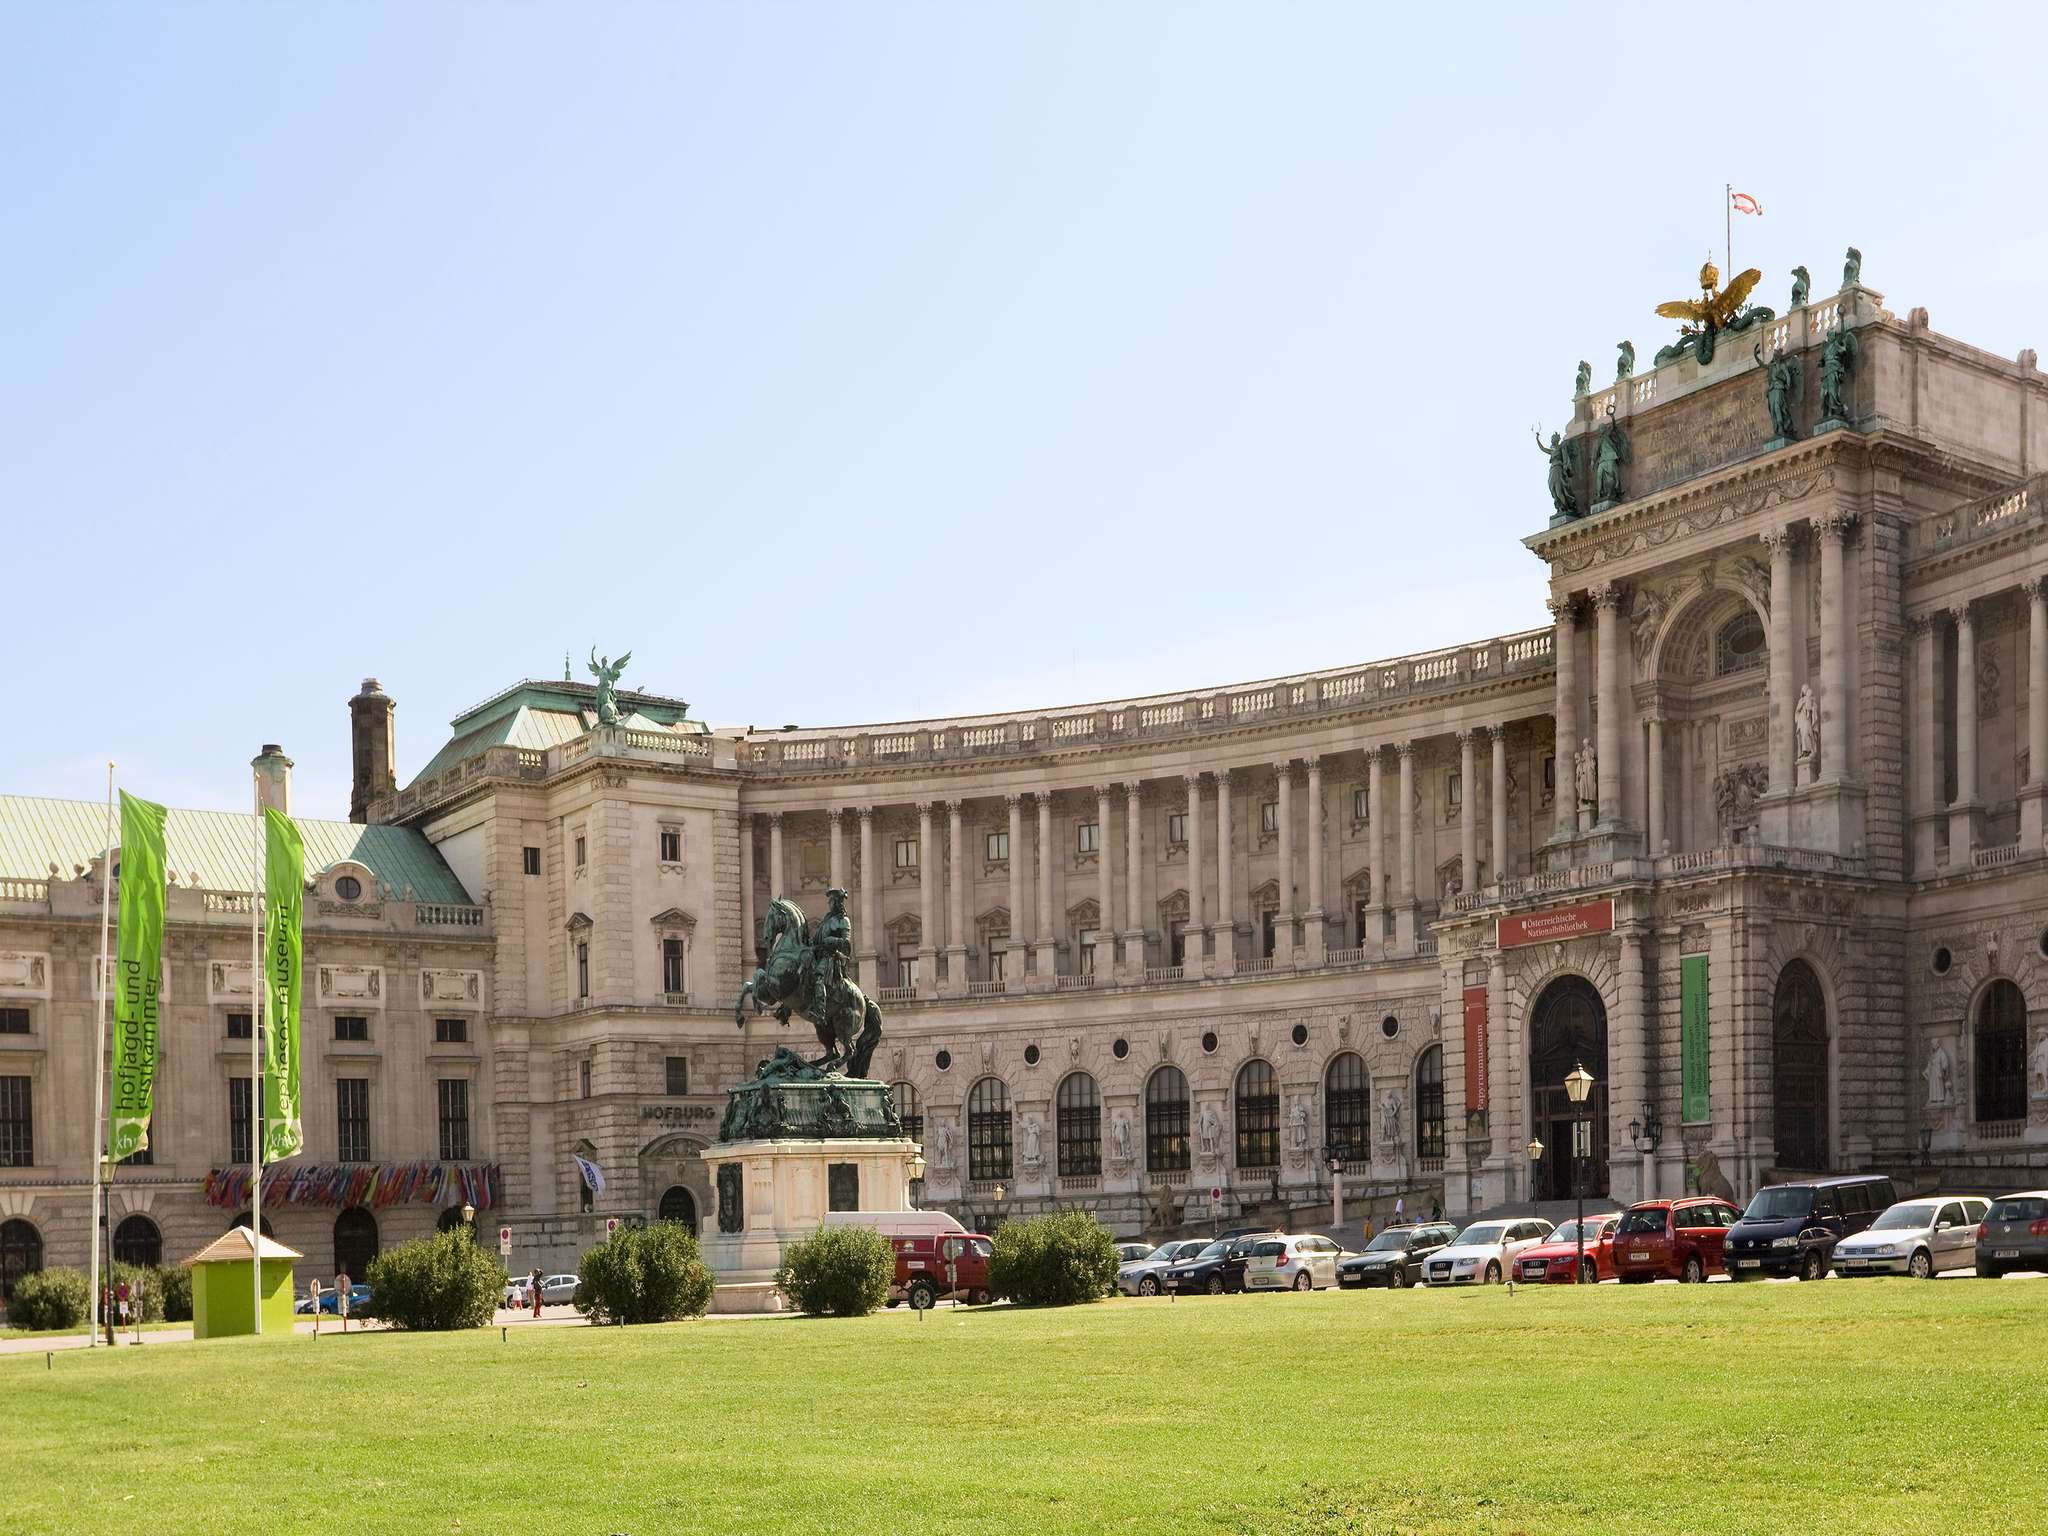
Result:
pixel 1557 923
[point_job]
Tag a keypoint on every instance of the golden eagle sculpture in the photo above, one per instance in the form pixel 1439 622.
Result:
pixel 1717 309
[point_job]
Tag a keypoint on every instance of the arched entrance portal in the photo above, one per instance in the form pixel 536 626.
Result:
pixel 678 1204
pixel 1799 1087
pixel 1567 1028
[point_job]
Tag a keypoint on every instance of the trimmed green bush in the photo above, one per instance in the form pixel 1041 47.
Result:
pixel 838 1271
pixel 175 1281
pixel 436 1283
pixel 50 1298
pixel 1054 1261
pixel 644 1275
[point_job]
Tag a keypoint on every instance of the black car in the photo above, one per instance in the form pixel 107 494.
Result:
pixel 1792 1229
pixel 1394 1258
pixel 1217 1268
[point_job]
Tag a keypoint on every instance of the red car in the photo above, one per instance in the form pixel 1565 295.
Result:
pixel 932 1267
pixel 1673 1239
pixel 1550 1262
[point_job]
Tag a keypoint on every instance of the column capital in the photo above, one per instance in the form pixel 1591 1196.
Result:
pixel 1132 789
pixel 1404 750
pixel 1960 613
pixel 833 813
pixel 1466 735
pixel 775 818
pixel 1315 764
pixel 1565 609
pixel 1780 541
pixel 865 812
pixel 746 818
pixel 1608 596
pixel 924 810
pixel 1920 623
pixel 1193 781
pixel 2035 589
pixel 1223 778
pixel 1498 732
pixel 955 806
pixel 1834 526
pixel 1284 767
pixel 1014 801
pixel 1105 790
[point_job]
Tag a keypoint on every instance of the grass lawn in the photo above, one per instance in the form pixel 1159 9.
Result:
pixel 1885 1405
pixel 79 1328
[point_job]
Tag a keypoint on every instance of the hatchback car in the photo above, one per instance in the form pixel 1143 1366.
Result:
pixel 1483 1251
pixel 1127 1253
pixel 1550 1261
pixel 1920 1238
pixel 1395 1258
pixel 1792 1229
pixel 1303 1262
pixel 2014 1234
pixel 1141 1276
pixel 556 1290
pixel 1683 1239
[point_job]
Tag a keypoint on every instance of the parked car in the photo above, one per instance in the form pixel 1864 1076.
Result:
pixel 1683 1239
pixel 1920 1238
pixel 557 1290
pixel 1297 1262
pixel 1218 1268
pixel 1395 1257
pixel 937 1266
pixel 1128 1253
pixel 1792 1229
pixel 1481 1253
pixel 330 1302
pixel 2014 1234
pixel 515 1292
pixel 1550 1261
pixel 1142 1276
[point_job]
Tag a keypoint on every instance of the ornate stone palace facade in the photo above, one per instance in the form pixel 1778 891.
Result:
pixel 1754 831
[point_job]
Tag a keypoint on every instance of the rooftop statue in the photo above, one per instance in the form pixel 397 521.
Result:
pixel 1716 310
pixel 1608 458
pixel 805 973
pixel 607 672
pixel 1564 494
pixel 1625 364
pixel 1852 268
pixel 1837 361
pixel 1585 379
pixel 1802 284
pixel 1782 383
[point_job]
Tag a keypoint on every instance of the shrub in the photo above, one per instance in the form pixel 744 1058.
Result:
pixel 50 1298
pixel 436 1283
pixel 839 1271
pixel 644 1275
pixel 1054 1261
pixel 175 1282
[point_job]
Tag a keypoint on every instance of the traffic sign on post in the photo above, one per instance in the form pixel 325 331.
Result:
pixel 504 1242
pixel 1216 1194
pixel 611 1225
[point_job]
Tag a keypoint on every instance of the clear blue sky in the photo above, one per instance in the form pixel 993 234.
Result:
pixel 1065 351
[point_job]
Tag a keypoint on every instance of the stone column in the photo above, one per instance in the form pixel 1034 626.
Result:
pixel 1134 893
pixel 1628 1067
pixel 1468 813
pixel 1404 817
pixel 776 868
pixel 1656 723
pixel 1015 947
pixel 1314 935
pixel 1834 659
pixel 2034 795
pixel 749 934
pixel 1929 807
pixel 1379 874
pixel 1105 887
pixel 1047 961
pixel 1779 542
pixel 870 932
pixel 1283 920
pixel 1965 815
pixel 1565 649
pixel 1193 950
pixel 956 921
pixel 835 846
pixel 1609 600
pixel 1225 958
pixel 928 878
pixel 1501 859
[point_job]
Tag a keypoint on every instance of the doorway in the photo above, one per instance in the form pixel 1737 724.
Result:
pixel 1567 1029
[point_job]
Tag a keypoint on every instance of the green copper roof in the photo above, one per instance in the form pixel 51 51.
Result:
pixel 215 846
pixel 539 715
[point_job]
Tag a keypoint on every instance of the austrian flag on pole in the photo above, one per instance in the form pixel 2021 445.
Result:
pixel 1744 203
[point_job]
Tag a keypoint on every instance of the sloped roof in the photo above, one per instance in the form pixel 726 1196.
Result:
pixel 234 1244
pixel 537 715
pixel 215 845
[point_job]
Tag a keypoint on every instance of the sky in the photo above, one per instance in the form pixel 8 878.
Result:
pixel 862 362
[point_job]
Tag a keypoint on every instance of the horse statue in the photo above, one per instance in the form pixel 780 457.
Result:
pixel 851 1025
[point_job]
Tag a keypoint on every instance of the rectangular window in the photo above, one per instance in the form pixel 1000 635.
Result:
pixel 238 1120
pixel 672 980
pixel 239 1025
pixel 1550 773
pixel 1177 830
pixel 1269 818
pixel 998 847
pixel 906 965
pixel 1176 943
pixel 1266 921
pixel 671 846
pixel 17 1123
pixel 995 956
pixel 1361 918
pixel 1084 961
pixel 532 858
pixel 351 1027
pixel 1087 837
pixel 1454 789
pixel 451 1031
pixel 454 1093
pixel 906 853
pixel 583 970
pixel 677 1076
pixel 583 1072
pixel 13 1021
pixel 352 1117
pixel 582 850
pixel 1361 805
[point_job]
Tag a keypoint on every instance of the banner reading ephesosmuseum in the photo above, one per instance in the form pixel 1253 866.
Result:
pixel 284 913
pixel 138 975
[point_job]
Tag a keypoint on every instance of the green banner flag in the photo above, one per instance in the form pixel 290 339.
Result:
pixel 1692 1025
pixel 138 976
pixel 284 913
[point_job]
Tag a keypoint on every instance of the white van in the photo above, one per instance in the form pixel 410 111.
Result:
pixel 897 1223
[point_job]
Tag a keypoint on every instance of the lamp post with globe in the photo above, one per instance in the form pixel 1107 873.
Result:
pixel 1578 1083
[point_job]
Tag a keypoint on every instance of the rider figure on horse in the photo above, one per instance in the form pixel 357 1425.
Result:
pixel 831 948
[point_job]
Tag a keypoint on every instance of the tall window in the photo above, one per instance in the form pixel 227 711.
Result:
pixel 1177 829
pixel 676 1077
pixel 530 860
pixel 1087 837
pixel 1347 1107
pixel 582 850
pixel 1269 818
pixel 1166 1122
pixel 1085 960
pixel 671 845
pixel 1429 1103
pixel 2001 1053
pixel 1176 942
pixel 352 1118
pixel 348 1026
pixel 906 965
pixel 583 970
pixel 451 1031
pixel 138 1241
pixel 1361 802
pixel 238 1120
pixel 454 1092
pixel 13 1021
pixel 1258 1116
pixel 908 1110
pixel 988 1130
pixel 906 853
pixel 1361 918
pixel 1077 1126
pixel 583 1075
pixel 998 847
pixel 17 1123
pixel 672 966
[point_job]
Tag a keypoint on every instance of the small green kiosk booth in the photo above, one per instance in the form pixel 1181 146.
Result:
pixel 223 1294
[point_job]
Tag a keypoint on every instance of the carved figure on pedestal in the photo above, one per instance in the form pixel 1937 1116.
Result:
pixel 1390 1120
pixel 1806 723
pixel 942 1148
pixel 1802 284
pixel 607 672
pixel 1298 1119
pixel 2037 1069
pixel 1564 493
pixel 1586 774
pixel 1612 453
pixel 1837 362
pixel 1028 1142
pixel 1782 382
pixel 848 1023
pixel 1940 1075
pixel 1209 1131
pixel 1120 1139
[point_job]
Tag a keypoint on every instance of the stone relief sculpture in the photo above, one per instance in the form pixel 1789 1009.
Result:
pixel 1209 1132
pixel 1564 494
pixel 1586 774
pixel 1940 1074
pixel 1802 284
pixel 1782 381
pixel 1032 1153
pixel 1646 619
pixel 1735 793
pixel 1806 722
pixel 2037 1069
pixel 1837 362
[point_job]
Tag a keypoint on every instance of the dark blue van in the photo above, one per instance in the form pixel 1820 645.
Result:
pixel 1792 1229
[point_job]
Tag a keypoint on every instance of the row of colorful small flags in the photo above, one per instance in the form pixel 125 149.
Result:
pixel 375 1186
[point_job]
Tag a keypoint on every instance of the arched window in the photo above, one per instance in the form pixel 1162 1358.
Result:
pixel 243 1220
pixel 908 1110
pixel 1740 645
pixel 1258 1116
pixel 1166 1122
pixel 1429 1103
pixel 137 1241
pixel 1077 1123
pixel 21 1253
pixel 1347 1107
pixel 2001 1053
pixel 355 1242
pixel 680 1206
pixel 988 1130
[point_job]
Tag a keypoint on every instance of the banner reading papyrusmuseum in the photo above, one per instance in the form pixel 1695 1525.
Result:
pixel 283 951
pixel 138 976
pixel 1693 1045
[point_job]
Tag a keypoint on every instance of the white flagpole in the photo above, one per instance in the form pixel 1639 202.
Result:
pixel 99 1063
pixel 1728 233
pixel 256 1050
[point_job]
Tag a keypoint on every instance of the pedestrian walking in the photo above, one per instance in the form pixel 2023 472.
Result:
pixel 1400 1209
pixel 313 1293
pixel 533 1284
pixel 341 1289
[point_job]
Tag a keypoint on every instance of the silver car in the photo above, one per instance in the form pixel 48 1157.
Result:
pixel 2014 1234
pixel 1140 1277
pixel 1919 1237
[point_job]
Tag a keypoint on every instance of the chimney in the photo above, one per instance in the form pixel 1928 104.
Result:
pixel 273 778
pixel 372 749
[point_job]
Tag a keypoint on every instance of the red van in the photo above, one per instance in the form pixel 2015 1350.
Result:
pixel 931 1267
pixel 1673 1239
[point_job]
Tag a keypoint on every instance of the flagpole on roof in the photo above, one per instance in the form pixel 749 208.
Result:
pixel 1728 231
pixel 99 1062
pixel 256 1045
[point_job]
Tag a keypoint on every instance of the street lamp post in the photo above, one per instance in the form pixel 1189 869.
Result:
pixel 914 1170
pixel 1535 1157
pixel 1333 1159
pixel 1577 1084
